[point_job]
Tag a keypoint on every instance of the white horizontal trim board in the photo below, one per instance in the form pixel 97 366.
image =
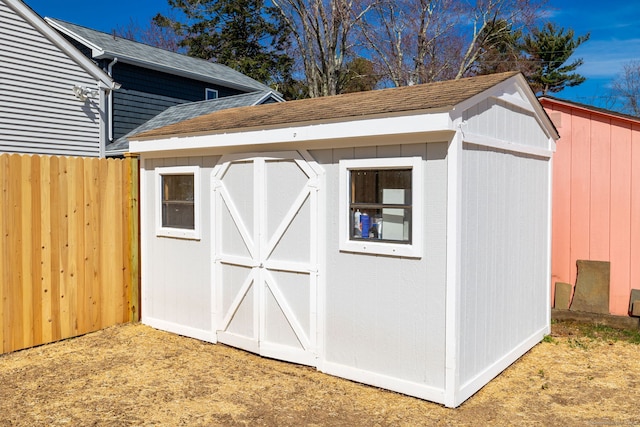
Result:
pixel 485 141
pixel 176 328
pixel 410 388
pixel 469 388
pixel 424 123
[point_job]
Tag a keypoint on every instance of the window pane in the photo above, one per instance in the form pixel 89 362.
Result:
pixel 178 215
pixel 178 201
pixel 177 187
pixel 380 202
pixel 369 185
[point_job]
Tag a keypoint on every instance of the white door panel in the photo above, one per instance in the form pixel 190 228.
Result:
pixel 265 266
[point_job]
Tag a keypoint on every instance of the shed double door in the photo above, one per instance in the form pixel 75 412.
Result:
pixel 265 256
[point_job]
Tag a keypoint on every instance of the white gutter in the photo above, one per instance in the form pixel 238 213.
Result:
pixel 109 113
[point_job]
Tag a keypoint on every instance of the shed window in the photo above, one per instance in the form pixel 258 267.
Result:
pixel 380 206
pixel 177 201
pixel 178 210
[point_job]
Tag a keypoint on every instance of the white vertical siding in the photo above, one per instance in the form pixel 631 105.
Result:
pixel 385 316
pixel 38 111
pixel 176 273
pixel 500 120
pixel 504 287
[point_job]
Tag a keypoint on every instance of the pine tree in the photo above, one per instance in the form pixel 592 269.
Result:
pixel 549 49
pixel 242 34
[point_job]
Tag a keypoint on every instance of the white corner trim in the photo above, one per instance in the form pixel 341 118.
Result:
pixel 452 291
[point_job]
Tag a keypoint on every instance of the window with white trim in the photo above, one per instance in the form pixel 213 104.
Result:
pixel 381 206
pixel 178 207
pixel 210 94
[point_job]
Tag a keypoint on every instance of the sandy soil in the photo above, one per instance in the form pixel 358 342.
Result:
pixel 135 375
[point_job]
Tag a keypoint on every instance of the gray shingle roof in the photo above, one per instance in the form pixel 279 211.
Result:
pixel 156 58
pixel 190 110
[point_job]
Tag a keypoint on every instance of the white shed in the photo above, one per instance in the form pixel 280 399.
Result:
pixel 399 238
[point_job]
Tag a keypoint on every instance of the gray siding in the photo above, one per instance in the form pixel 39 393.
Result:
pixel 386 315
pixel 38 111
pixel 146 93
pixel 133 108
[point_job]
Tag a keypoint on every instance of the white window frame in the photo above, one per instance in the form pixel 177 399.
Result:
pixel 370 246
pixel 209 90
pixel 180 233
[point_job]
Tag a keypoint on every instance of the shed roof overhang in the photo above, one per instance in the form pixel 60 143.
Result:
pixel 426 126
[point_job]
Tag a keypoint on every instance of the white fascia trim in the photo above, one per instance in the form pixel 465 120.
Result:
pixel 65 30
pixel 103 78
pixel 423 123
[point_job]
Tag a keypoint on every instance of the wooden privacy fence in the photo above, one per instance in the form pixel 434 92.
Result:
pixel 69 247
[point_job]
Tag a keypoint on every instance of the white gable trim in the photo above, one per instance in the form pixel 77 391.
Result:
pixel 499 144
pixel 270 94
pixel 104 81
pixel 526 101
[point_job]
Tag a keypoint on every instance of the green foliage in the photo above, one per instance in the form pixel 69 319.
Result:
pixel 242 34
pixel 502 50
pixel 549 49
pixel 360 76
pixel 548 338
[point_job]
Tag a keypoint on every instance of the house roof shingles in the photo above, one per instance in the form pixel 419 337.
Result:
pixel 339 107
pixel 126 49
pixel 189 110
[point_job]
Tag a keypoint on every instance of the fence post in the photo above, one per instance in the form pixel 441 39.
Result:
pixel 133 239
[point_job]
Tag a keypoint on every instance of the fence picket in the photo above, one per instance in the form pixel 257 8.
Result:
pixel 66 260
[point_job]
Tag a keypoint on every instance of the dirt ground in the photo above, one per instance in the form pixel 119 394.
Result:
pixel 133 375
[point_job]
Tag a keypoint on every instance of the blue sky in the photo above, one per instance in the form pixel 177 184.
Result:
pixel 614 26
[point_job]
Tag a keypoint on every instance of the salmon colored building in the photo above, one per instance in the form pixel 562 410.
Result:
pixel 596 196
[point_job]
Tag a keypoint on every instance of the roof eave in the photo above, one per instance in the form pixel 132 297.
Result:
pixel 173 70
pixel 44 28
pixel 317 133
pixel 590 109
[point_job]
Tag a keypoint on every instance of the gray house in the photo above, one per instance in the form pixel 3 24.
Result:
pixel 53 99
pixel 70 90
pixel 152 79
pixel 191 110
